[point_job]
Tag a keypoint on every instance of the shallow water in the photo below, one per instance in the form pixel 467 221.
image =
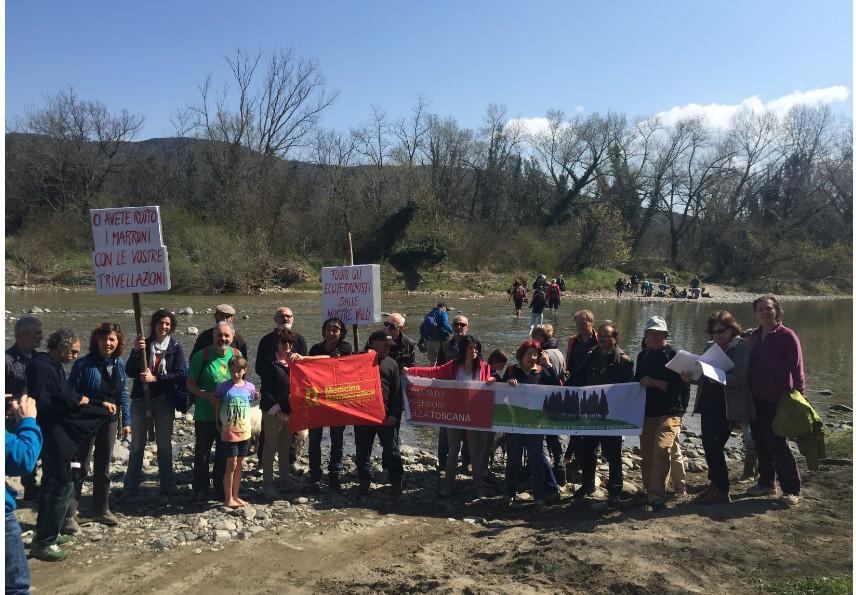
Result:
pixel 825 327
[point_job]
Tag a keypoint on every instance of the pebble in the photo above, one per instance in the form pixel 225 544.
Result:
pixel 302 500
pixel 187 311
pixel 35 310
pixel 192 330
pixel 840 407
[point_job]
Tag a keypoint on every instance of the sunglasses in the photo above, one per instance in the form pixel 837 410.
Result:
pixel 390 325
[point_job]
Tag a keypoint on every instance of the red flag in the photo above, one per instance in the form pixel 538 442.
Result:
pixel 339 391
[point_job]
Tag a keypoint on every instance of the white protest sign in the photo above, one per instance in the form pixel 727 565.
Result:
pixel 351 293
pixel 129 255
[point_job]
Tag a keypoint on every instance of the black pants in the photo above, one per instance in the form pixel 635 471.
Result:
pixel 206 436
pixel 388 437
pixel 715 430
pixel 102 445
pixel 610 447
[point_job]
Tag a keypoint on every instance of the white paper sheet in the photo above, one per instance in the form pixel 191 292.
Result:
pixel 712 364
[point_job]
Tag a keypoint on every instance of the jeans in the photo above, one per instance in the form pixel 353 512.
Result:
pixel 391 455
pixel 610 447
pixel 443 450
pixel 534 446
pixel 554 445
pixel 102 445
pixel 163 415
pixel 472 442
pixel 774 455
pixel 658 437
pixel 715 431
pixel 17 571
pixel 53 505
pixel 206 436
pixel 337 438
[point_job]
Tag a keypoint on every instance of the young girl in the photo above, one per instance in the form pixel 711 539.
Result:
pixel 233 413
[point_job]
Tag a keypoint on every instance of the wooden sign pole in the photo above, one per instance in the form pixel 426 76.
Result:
pixel 144 366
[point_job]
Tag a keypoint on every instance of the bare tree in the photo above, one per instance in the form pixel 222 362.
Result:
pixel 79 148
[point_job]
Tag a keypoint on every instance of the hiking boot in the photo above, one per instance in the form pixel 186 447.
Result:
pixel 613 501
pixel 70 526
pixel 107 518
pixel 584 491
pixel 790 499
pixel 365 486
pixel 712 495
pixel 51 553
pixel 269 492
pixel 761 491
pixel 396 488
pixel 750 465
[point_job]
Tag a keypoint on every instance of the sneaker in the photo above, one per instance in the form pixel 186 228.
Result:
pixel 107 518
pixel 681 491
pixel 63 539
pixel 761 491
pixel 790 499
pixel 584 491
pixel 712 496
pixel 508 502
pixel 51 553
pixel 70 525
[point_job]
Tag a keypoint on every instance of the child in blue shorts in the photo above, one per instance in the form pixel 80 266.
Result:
pixel 233 414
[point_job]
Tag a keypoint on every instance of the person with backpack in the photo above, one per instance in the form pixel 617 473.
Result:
pixel 517 293
pixel 435 330
pixel 539 302
pixel 666 400
pixel 165 380
pixel 208 368
pixel 554 294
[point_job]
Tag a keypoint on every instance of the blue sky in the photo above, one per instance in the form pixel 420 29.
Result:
pixel 639 58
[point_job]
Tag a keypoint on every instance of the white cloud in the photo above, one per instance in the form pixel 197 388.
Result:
pixel 530 125
pixel 719 115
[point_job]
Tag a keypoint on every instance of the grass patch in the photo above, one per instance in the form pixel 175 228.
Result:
pixel 839 445
pixel 510 415
pixel 823 585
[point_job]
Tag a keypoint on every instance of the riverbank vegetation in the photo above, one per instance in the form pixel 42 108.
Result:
pixel 256 193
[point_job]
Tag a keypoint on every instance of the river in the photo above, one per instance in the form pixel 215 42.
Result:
pixel 825 327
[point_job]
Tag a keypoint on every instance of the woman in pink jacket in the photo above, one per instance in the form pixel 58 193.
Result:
pixel 468 365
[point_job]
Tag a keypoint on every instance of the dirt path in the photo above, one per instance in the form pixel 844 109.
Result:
pixel 395 549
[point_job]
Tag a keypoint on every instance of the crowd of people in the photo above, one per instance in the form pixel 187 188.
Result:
pixel 79 417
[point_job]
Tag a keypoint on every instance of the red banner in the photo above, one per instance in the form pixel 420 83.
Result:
pixel 463 407
pixel 339 391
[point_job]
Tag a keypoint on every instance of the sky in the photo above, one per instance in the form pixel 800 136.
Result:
pixel 666 57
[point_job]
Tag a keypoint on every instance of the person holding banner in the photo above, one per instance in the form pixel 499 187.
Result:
pixel 101 375
pixel 165 380
pixel 720 406
pixel 666 399
pixel 449 351
pixel 276 387
pixel 403 348
pixel 380 342
pixel 533 367
pixel 208 368
pixel 468 365
pixel 579 345
pixel 605 364
pixel 334 345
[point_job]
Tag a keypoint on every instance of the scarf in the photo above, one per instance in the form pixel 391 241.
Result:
pixel 156 354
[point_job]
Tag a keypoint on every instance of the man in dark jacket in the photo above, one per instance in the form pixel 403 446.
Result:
pixel 66 419
pixel 222 313
pixel 364 436
pixel 605 364
pixel 28 337
pixel 403 348
pixel 666 399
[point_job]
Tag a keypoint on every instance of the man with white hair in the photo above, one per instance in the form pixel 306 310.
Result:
pixel 28 337
pixel 403 348
pixel 208 368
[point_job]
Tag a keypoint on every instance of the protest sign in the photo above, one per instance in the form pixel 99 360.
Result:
pixel 337 391
pixel 351 293
pixel 603 410
pixel 129 255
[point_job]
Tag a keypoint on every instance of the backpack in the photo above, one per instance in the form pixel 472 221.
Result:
pixel 519 291
pixel 181 399
pixel 430 328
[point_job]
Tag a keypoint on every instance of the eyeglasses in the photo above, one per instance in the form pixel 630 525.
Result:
pixel 390 325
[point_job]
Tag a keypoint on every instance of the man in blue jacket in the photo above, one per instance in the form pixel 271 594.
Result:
pixel 22 451
pixel 435 330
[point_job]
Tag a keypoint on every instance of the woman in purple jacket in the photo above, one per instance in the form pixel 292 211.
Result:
pixel 775 369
